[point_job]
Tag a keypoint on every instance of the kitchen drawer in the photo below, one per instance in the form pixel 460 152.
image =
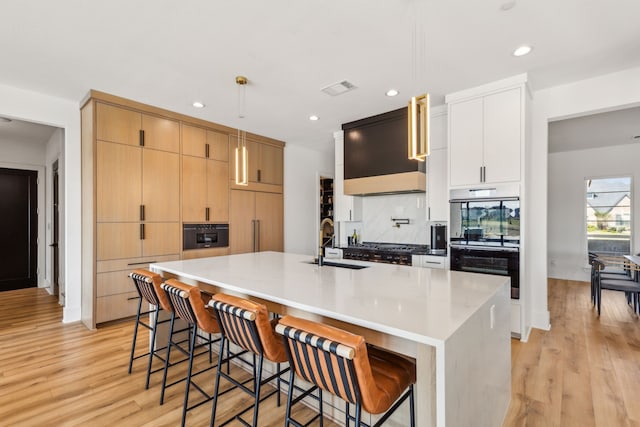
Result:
pixel 114 282
pixel 429 261
pixel 130 264
pixel 118 306
pixel 204 253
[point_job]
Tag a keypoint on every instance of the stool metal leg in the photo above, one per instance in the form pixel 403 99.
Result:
pixel 135 335
pixel 223 340
pixel 152 350
pixel 166 361
pixel 192 344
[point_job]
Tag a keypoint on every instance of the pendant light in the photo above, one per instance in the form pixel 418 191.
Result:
pixel 418 111
pixel 242 156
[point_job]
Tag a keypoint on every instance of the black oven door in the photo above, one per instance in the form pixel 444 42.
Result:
pixel 489 261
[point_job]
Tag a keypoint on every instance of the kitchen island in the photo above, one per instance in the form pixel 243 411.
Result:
pixel 455 324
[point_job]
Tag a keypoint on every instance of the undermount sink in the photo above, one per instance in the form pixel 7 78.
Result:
pixel 326 263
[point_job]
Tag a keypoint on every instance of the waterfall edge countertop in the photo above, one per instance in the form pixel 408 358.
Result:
pixel 424 305
pixel 462 317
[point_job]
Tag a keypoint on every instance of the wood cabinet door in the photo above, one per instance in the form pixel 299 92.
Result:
pixel 194 189
pixel 118 182
pixel 161 238
pixel 160 185
pixel 270 213
pixel 465 142
pixel 217 190
pixel 218 146
pixel 116 124
pixel 161 134
pixel 271 162
pixel 502 136
pixel 253 149
pixel 194 141
pixel 118 240
pixel 241 221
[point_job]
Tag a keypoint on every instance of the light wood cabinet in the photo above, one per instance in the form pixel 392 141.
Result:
pixel 145 172
pixel 256 222
pixel 124 126
pixel 485 138
pixel 266 166
pixel 205 180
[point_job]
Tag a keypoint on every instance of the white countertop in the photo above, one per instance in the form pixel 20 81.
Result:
pixel 419 304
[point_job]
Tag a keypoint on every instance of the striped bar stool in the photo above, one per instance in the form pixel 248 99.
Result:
pixel 246 324
pixel 341 363
pixel 148 286
pixel 188 304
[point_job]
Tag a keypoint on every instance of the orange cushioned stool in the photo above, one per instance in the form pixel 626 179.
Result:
pixel 187 303
pixel 148 284
pixel 246 324
pixel 340 362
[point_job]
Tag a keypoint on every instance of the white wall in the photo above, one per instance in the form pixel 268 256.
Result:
pixel 40 108
pixel 568 171
pixel 602 93
pixel 55 151
pixel 302 168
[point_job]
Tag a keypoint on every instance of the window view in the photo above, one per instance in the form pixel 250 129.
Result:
pixel 609 216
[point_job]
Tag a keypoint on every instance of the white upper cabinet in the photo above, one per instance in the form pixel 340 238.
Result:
pixel 437 187
pixel 486 135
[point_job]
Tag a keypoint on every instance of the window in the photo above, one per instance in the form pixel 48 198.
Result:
pixel 608 207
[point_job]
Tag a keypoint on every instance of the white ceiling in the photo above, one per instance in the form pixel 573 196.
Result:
pixel 25 132
pixel 595 130
pixel 169 53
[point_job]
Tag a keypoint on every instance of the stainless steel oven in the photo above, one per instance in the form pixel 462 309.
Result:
pixel 498 261
pixel 485 232
pixel 198 236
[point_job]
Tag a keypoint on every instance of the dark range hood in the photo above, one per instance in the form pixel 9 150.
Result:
pixel 375 156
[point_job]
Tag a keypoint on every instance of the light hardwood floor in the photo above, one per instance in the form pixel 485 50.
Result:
pixel 584 372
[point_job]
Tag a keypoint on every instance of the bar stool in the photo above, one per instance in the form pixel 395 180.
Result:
pixel 246 324
pixel 148 284
pixel 342 364
pixel 188 304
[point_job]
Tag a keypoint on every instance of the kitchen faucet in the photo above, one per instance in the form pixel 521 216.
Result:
pixel 321 249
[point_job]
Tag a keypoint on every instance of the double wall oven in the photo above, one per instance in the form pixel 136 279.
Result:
pixel 485 232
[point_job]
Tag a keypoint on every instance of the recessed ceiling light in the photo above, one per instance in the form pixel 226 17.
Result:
pixel 314 118
pixel 522 50
pixel 507 5
pixel 392 92
pixel 5 120
pixel 198 104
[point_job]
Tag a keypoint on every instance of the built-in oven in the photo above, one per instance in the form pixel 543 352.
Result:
pixel 498 261
pixel 484 232
pixel 199 236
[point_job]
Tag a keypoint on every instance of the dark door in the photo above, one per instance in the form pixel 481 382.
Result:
pixel 56 231
pixel 18 229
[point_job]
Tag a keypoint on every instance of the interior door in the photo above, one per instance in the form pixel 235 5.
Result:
pixel 55 250
pixel 18 229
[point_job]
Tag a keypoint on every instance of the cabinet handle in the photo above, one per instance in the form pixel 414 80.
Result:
pixel 132 298
pixel 480 173
pixel 432 262
pixel 429 213
pixel 253 225
pixel 349 214
pixel 141 231
pixel 141 212
pixel 206 150
pixel 259 175
pixel 142 262
pixel 141 137
pixel 258 235
pixel 206 214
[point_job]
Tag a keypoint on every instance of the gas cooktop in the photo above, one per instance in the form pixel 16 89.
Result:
pixel 392 253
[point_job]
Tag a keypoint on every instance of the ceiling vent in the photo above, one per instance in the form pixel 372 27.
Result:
pixel 338 88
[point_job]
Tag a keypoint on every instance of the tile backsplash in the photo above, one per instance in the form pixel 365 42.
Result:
pixel 377 226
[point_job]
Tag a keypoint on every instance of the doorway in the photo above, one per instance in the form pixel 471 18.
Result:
pixel 327 233
pixel 55 251
pixel 18 229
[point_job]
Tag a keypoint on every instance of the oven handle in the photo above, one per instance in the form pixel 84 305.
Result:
pixel 486 199
pixel 485 248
